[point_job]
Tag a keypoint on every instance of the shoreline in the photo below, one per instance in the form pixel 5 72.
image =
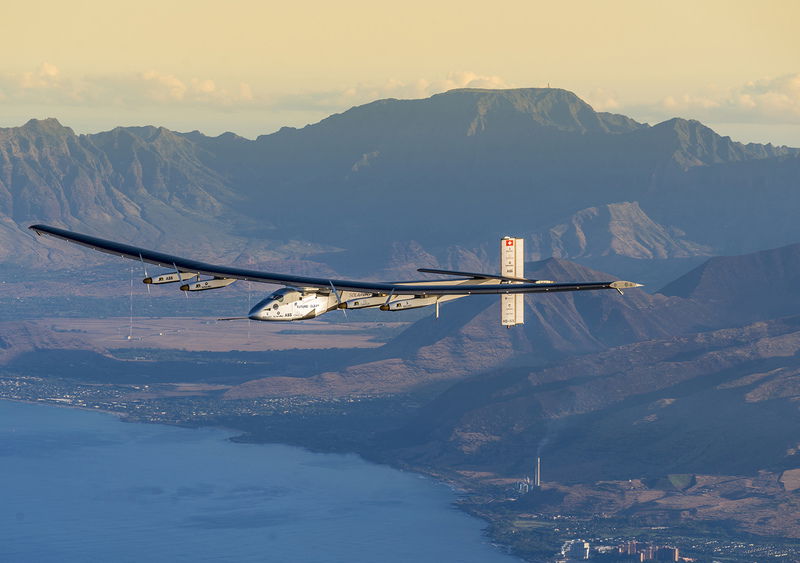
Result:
pixel 46 403
pixel 457 489
pixel 526 531
pixel 264 499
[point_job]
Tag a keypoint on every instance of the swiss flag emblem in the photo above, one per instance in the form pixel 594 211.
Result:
pixel 510 242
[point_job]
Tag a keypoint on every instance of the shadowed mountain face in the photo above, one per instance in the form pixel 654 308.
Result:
pixel 468 339
pixel 769 277
pixel 129 179
pixel 142 184
pixel 746 288
pixel 682 381
pixel 681 394
pixel 505 160
pixel 454 170
pixel 680 405
pixel 616 229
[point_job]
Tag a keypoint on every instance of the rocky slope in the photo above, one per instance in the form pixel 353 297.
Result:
pixel 681 405
pixel 615 229
pixel 468 339
pixel 18 338
pixel 725 381
pixel 142 184
pixel 389 172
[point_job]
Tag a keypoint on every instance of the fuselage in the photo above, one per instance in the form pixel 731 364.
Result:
pixel 290 304
pixel 293 304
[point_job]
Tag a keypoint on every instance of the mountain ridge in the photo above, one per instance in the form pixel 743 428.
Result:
pixel 504 159
pixel 621 229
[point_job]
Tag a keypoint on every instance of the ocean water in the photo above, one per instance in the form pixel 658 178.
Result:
pixel 83 486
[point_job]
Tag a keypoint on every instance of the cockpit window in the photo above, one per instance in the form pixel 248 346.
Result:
pixel 286 295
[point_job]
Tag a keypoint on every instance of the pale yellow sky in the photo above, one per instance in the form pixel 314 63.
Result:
pixel 251 67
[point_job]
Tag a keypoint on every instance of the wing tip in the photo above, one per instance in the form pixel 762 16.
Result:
pixel 622 284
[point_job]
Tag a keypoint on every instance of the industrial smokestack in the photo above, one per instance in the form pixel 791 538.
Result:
pixel 537 480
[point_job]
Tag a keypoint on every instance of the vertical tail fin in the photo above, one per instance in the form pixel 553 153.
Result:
pixel 512 264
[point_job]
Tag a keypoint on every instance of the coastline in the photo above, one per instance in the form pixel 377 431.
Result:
pixel 45 402
pixel 457 489
pixel 516 526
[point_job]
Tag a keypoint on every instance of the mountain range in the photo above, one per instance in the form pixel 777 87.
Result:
pixel 452 172
pixel 708 385
pixel 695 374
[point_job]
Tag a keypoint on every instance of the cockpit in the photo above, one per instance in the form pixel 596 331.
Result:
pixel 270 308
pixel 285 295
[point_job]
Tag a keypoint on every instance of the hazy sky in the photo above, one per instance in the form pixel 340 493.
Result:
pixel 253 66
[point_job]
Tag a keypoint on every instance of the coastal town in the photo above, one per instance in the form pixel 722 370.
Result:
pixel 562 537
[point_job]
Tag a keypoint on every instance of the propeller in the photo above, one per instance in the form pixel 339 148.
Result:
pixel 144 267
pixel 338 299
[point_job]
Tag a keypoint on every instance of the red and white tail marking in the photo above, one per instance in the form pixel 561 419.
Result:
pixel 512 264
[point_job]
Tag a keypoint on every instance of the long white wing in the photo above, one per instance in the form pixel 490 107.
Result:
pixel 193 266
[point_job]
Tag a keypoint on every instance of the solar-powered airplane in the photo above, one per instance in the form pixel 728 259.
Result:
pixel 306 297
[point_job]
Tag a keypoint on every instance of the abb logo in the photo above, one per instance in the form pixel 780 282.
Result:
pixel 510 242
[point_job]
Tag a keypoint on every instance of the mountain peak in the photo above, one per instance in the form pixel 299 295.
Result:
pixel 695 144
pixel 48 122
pixel 747 273
pixel 531 92
pixel 475 112
pixel 49 126
pixel 549 107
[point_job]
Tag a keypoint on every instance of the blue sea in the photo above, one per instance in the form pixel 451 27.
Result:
pixel 83 486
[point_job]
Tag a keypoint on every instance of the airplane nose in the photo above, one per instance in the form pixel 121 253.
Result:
pixel 257 313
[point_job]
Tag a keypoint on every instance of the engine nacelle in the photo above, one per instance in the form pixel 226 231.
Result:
pixel 203 285
pixel 364 302
pixel 413 303
pixel 172 277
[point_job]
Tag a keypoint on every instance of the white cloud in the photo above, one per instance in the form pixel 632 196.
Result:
pixel 42 84
pixel 766 103
pixel 602 100
pixel 772 100
pixel 161 87
pixel 47 76
pixel 466 80
pixel 48 85
pixel 337 100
